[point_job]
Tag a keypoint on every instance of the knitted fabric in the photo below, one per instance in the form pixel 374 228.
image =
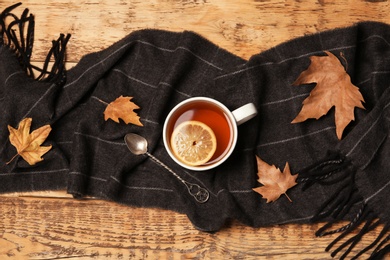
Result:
pixel 338 180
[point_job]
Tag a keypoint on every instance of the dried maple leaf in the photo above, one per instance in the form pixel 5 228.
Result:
pixel 122 108
pixel 29 145
pixel 275 182
pixel 334 88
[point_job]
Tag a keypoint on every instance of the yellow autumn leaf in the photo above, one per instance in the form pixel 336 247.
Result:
pixel 28 145
pixel 122 108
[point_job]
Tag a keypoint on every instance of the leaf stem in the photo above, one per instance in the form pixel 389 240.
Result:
pixel 12 159
pixel 288 197
pixel 345 60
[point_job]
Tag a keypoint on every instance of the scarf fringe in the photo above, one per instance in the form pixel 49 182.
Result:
pixel 335 168
pixel 322 170
pixel 18 36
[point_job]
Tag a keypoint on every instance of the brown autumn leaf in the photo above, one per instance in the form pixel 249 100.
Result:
pixel 275 183
pixel 29 145
pixel 333 88
pixel 122 108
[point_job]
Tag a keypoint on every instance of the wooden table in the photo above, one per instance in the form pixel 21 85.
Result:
pixel 52 225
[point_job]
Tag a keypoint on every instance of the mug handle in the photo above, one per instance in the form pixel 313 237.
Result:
pixel 244 113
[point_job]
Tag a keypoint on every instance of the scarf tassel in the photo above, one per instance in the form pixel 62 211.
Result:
pixel 336 169
pixel 18 36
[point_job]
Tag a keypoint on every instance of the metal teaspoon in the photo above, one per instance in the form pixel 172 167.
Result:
pixel 138 145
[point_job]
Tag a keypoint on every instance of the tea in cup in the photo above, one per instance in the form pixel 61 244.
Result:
pixel 200 133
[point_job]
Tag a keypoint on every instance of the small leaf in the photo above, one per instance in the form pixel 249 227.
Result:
pixel 333 88
pixel 275 182
pixel 122 108
pixel 29 145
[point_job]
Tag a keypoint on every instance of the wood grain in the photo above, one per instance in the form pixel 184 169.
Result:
pixel 244 27
pixel 51 225
pixel 44 228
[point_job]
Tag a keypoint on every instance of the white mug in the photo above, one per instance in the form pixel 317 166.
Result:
pixel 218 117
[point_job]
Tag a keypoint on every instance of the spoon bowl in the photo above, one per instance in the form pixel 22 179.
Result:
pixel 136 144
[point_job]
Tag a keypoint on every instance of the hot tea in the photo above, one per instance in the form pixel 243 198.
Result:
pixel 211 115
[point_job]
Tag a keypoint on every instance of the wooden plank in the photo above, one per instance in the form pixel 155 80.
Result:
pixel 41 228
pixel 45 194
pixel 244 27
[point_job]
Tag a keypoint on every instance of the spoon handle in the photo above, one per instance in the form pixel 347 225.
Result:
pixel 200 194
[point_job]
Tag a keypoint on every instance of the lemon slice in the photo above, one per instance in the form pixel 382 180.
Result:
pixel 193 143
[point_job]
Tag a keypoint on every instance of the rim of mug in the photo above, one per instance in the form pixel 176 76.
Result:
pixel 233 142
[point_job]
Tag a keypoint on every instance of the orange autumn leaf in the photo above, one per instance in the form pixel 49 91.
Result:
pixel 333 89
pixel 122 108
pixel 28 145
pixel 275 183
